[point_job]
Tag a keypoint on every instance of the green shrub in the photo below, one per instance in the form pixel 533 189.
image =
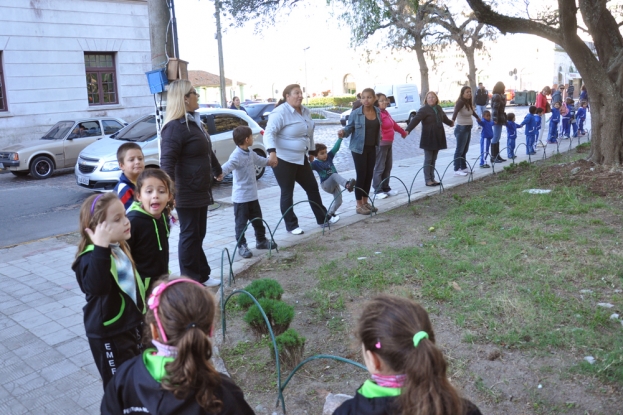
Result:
pixel 261 288
pixel 342 101
pixel 318 116
pixel 291 346
pixel 279 315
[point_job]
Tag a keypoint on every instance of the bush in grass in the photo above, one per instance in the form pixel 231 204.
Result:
pixel 279 315
pixel 262 288
pixel 291 346
pixel 342 101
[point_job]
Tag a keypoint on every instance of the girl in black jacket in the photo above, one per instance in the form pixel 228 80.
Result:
pixel 176 377
pixel 106 275
pixel 408 370
pixel 433 139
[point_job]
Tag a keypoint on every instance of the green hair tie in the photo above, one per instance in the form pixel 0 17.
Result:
pixel 418 337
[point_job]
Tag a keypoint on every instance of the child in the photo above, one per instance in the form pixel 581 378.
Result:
pixel 553 124
pixel 581 117
pixel 565 112
pixel 572 120
pixel 408 370
pixel 242 162
pixel 383 165
pixel 330 180
pixel 149 217
pixel 537 128
pixel 511 135
pixel 530 122
pixel 485 137
pixel 132 163
pixel 114 291
pixel 177 376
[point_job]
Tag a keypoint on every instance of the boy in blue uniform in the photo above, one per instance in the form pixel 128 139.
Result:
pixel 581 117
pixel 132 163
pixel 537 129
pixel 530 122
pixel 485 137
pixel 567 118
pixel 553 124
pixel 511 135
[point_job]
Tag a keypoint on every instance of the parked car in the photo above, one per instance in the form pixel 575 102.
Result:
pixel 259 112
pixel 97 167
pixel 404 101
pixel 58 148
pixel 210 105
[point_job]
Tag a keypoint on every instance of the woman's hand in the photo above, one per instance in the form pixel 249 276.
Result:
pixel 340 133
pixel 102 235
pixel 311 158
pixel 219 178
pixel 272 159
pixel 451 123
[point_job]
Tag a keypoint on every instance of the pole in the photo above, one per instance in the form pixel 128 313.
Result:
pixel 221 64
pixel 306 84
pixel 176 48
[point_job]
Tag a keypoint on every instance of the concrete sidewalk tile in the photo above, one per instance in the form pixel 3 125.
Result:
pixel 62 404
pixel 73 299
pixel 58 337
pixel 60 313
pixel 5 305
pixel 38 397
pixel 62 295
pixel 14 371
pixel 13 271
pixel 88 395
pixel 73 347
pixel 79 331
pixel 82 378
pixel 46 329
pixel 58 370
pixel 25 384
pixel 28 350
pixel 11 331
pixel 36 319
pixel 82 359
pixel 71 319
pixel 49 307
pixel 31 297
pixel 45 359
pixel 13 407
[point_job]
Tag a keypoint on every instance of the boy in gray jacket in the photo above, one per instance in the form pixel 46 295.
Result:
pixel 242 163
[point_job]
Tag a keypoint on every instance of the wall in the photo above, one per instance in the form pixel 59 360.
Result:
pixel 43 44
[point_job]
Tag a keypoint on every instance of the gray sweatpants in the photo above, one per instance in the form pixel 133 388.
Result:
pixel 334 185
pixel 382 169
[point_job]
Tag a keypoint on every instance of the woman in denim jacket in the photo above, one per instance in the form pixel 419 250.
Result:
pixel 365 125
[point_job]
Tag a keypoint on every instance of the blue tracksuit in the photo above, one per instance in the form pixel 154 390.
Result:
pixel 530 122
pixel 537 130
pixel 511 136
pixel 553 126
pixel 581 117
pixel 485 139
pixel 566 121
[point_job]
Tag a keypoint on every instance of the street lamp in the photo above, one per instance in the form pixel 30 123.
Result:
pixel 306 84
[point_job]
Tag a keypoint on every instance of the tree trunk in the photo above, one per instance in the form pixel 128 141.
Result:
pixel 421 58
pixel 471 76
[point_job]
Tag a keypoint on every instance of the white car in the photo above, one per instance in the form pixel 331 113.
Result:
pixel 97 167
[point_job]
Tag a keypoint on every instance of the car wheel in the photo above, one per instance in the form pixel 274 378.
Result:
pixel 411 117
pixel 20 173
pixel 42 167
pixel 259 171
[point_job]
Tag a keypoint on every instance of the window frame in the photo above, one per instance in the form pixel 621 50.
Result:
pixel 3 101
pixel 223 116
pixel 99 71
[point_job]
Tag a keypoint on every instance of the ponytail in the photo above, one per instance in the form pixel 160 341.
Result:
pixel 286 91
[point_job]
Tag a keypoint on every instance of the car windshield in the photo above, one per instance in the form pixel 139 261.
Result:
pixel 141 130
pixel 59 130
pixel 254 110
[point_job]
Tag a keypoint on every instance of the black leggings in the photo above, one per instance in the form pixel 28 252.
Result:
pixel 364 168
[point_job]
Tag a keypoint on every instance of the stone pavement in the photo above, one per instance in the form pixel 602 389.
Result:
pixel 47 366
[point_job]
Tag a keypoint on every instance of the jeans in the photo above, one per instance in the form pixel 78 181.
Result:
pixel 497 133
pixel 364 168
pixel 485 144
pixel 287 174
pixel 480 109
pixel 463 134
pixel 193 261
pixel 430 158
pixel 382 168
pixel 243 213
pixel 334 185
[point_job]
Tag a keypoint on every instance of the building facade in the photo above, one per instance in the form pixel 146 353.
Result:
pixel 66 59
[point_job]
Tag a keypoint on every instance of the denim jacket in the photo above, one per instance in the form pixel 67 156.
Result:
pixel 357 126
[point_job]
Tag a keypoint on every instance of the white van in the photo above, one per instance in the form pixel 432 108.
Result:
pixel 404 100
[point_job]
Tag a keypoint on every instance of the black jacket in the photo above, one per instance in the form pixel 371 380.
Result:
pixel 133 390
pixel 498 108
pixel 109 310
pixel 149 244
pixel 482 97
pixel 360 405
pixel 433 133
pixel 187 157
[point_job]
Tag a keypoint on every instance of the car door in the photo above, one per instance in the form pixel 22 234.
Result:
pixel 223 138
pixel 264 118
pixel 83 134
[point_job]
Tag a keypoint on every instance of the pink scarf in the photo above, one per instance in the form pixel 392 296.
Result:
pixel 389 381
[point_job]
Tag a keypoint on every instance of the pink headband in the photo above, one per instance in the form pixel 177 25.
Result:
pixel 154 301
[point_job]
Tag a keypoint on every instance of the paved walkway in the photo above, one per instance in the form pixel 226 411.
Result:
pixel 47 366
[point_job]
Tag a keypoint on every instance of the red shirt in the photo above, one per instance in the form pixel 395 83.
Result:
pixel 541 101
pixel 388 126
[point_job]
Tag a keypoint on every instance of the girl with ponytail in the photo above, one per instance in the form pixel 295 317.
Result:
pixel 176 376
pixel 408 370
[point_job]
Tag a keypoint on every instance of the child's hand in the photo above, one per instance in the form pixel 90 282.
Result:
pixel 340 133
pixel 404 135
pixel 102 235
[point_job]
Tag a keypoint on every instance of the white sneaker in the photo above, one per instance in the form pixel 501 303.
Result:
pixel 297 231
pixel 392 193
pixel 460 173
pixel 465 170
pixel 381 195
pixel 212 282
pixel 334 219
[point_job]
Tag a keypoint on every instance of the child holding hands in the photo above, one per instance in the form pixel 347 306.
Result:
pixel 485 138
pixel 330 179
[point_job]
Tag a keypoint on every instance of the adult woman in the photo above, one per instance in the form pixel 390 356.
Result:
pixel 583 95
pixel 541 102
pixel 187 157
pixel 462 118
pixel 235 105
pixel 433 139
pixel 365 125
pixel 498 107
pixel 289 137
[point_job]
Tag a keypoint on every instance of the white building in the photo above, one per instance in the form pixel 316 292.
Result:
pixel 64 59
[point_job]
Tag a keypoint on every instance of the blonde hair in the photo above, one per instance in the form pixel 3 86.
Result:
pixel 436 97
pixel 176 108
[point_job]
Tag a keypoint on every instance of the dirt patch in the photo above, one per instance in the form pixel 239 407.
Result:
pixel 598 180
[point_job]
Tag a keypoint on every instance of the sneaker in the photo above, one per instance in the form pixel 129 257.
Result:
pixel 244 251
pixel 460 173
pixel 381 195
pixel 265 244
pixel 371 208
pixel 297 231
pixel 334 219
pixel 350 185
pixel 212 282
pixel 392 193
pixel 465 170
pixel 485 166
pixel 363 210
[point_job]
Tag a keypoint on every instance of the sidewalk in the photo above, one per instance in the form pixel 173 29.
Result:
pixel 47 366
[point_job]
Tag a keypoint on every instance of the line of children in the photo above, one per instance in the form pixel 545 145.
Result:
pixel 511 135
pixel 132 163
pixel 330 180
pixel 553 124
pixel 530 122
pixel 242 163
pixel 485 138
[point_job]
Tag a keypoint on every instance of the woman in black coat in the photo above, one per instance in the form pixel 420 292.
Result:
pixel 498 114
pixel 433 139
pixel 187 157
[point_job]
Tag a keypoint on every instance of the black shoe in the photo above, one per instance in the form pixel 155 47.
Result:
pixel 350 185
pixel 485 166
pixel 265 244
pixel 244 251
